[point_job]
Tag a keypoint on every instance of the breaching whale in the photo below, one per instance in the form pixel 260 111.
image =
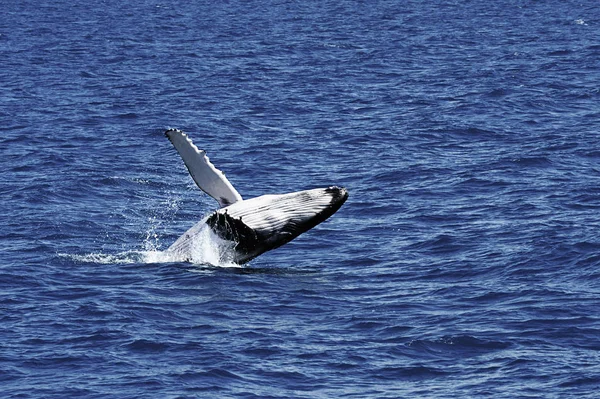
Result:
pixel 253 226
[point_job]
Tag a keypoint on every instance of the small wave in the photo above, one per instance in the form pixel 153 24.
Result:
pixel 467 345
pixel 410 372
pixel 533 161
pixel 147 346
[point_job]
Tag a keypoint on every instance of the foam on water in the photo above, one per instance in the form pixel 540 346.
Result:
pixel 105 258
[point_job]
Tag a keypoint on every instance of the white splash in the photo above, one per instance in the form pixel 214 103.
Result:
pixel 206 249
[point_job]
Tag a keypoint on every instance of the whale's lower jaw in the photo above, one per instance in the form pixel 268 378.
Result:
pixel 264 223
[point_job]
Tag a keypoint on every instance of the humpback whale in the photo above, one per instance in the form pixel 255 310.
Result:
pixel 252 226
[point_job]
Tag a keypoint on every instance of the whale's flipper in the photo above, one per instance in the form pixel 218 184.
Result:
pixel 263 223
pixel 210 179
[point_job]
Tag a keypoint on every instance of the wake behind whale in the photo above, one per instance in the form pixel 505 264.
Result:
pixel 244 229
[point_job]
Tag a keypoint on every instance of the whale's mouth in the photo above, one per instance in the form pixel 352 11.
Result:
pixel 263 223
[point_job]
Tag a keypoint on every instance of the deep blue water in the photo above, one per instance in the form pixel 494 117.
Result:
pixel 466 262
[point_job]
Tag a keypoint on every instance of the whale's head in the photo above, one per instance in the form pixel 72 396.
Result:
pixel 263 223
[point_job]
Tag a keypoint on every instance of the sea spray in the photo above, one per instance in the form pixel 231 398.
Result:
pixel 202 246
pixel 205 248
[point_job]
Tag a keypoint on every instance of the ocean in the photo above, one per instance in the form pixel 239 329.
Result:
pixel 465 263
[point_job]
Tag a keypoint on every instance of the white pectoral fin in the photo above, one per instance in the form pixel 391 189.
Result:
pixel 210 179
